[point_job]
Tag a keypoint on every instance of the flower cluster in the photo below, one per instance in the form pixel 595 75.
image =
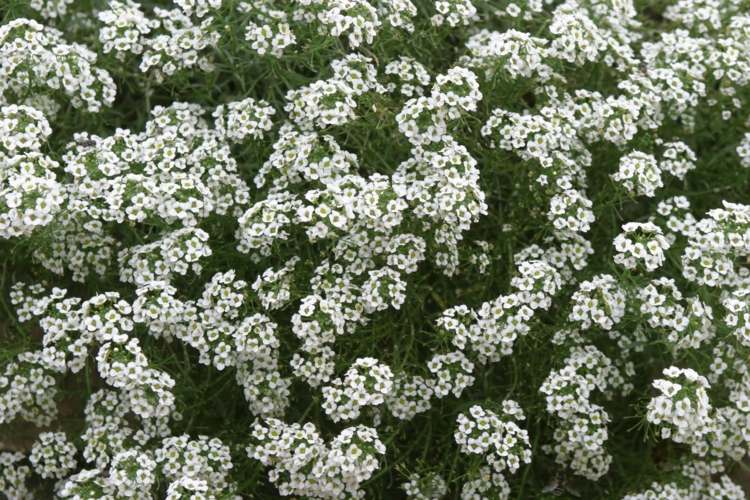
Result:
pixel 453 12
pixel 125 28
pixel 686 323
pixel 411 76
pixel 268 29
pixel 599 301
pixel 429 486
pixel 332 102
pixel 37 60
pixel 582 429
pixel 305 465
pixel 451 372
pixel 52 455
pixel 175 253
pixel 738 313
pixel 715 244
pixel 639 174
pixel 424 120
pixel 132 473
pixel 410 396
pixel 640 244
pixel 366 383
pixel 28 389
pixel 498 438
pixel 239 120
pixel 13 475
pixel 682 410
pixel 204 459
pixel 178 44
pixel 30 195
pixel 23 129
pixel 693 481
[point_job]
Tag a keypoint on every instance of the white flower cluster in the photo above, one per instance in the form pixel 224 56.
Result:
pixel 639 173
pixel 51 9
pixel 111 429
pixel 84 247
pixel 677 159
pixel 37 57
pixel 13 475
pixel 23 129
pixel 682 410
pixel 474 334
pixel 743 150
pixel 366 383
pixel 183 464
pixel 454 13
pixel 72 329
pixel 198 8
pixel 496 437
pixel 537 282
pixel 28 389
pixel 516 53
pixel 332 102
pixel 177 170
pixel 132 473
pixel 577 38
pixel 165 41
pixel 674 217
pixel 490 332
pixel 239 120
pixel 88 483
pixel 219 326
pixel 485 484
pixel 715 246
pixel 428 486
pixel 451 372
pixel 685 322
pixel 274 286
pixel 188 487
pixel 599 301
pixel 305 465
pixel 30 195
pixel 304 157
pixel 204 459
pixel 550 138
pixel 125 28
pixel 337 212
pixel 52 455
pixel 273 28
pixel 582 425
pixel 410 396
pixel 412 77
pixel 268 29
pixel 358 20
pixel 180 43
pixel 737 305
pixel 175 253
pixel 567 253
pixel 693 482
pixel 570 210
pixel 640 244
pixel 424 120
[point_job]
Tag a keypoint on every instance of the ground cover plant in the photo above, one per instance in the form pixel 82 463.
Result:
pixel 374 249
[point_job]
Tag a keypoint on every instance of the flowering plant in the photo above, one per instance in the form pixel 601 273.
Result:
pixel 374 249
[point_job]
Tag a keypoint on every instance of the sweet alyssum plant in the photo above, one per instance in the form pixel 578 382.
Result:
pixel 374 249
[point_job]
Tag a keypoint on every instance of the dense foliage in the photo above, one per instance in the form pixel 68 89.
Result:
pixel 374 248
